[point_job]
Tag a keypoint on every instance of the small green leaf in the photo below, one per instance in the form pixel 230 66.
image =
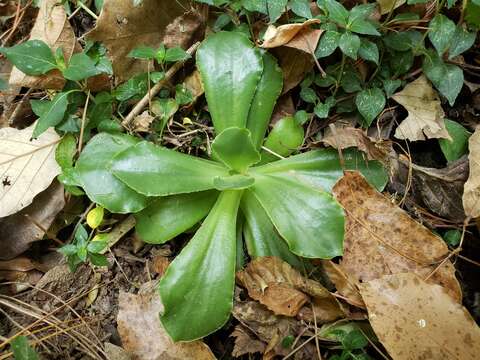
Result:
pixel 301 117
pixel 361 11
pixel 81 235
pixel 95 217
pixel 368 51
pixel 301 8
pixel 135 86
pixel 336 12
pixel 457 147
pixel 308 95
pixel 275 9
pixel 234 147
pixel 370 103
pixel 142 52
pixel 452 237
pixel 98 259
pixel 32 57
pixel 287 341
pixel 80 67
pixel 160 54
pixel 441 33
pixel 364 27
pixel 22 350
pixel 183 96
pixel 322 109
pixel 390 86
pixel 65 151
pixel 53 113
pixel 354 340
pixel 68 250
pixel 176 54
pixel 285 138
pixel 349 44
pixel 461 42
pixel 327 44
pixel 233 182
pixel 96 247
pixel 401 62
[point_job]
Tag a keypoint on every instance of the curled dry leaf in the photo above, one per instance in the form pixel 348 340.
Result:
pixel 282 289
pixel 142 122
pixel 245 342
pixel 382 239
pixel 425 113
pixel 282 35
pixel 418 320
pixel 27 167
pixel 346 286
pixel 143 335
pixel 471 193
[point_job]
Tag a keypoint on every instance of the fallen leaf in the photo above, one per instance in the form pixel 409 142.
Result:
pixel 143 335
pixel 389 5
pixel 245 343
pixel 19 231
pixel 193 83
pixel 282 35
pixel 418 320
pixel 471 193
pixel 142 122
pixel 295 64
pixel 21 263
pixel 306 40
pixel 282 289
pixel 123 26
pixel 185 30
pixel 346 286
pixel 425 113
pixel 283 108
pixel 116 352
pixel 382 239
pixel 160 264
pixel 51 26
pixel 27 167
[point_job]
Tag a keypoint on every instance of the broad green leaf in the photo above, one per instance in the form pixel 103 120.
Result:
pixel 370 103
pixel 351 80
pixel 390 86
pixel 322 168
pixel 100 185
pixel 142 52
pixel 234 147
pixel 255 5
pixel 461 42
pixel 80 67
pixel 403 41
pixel 336 12
pixel 230 68
pixel 275 9
pixel 98 259
pixel 301 8
pixel 364 27
pixel 285 138
pixel 52 114
pixel 95 247
pixel 457 147
pixel 32 57
pixel 401 61
pixel 361 11
pixel 156 171
pixel 197 288
pixel 266 94
pixel 170 216
pixel 310 220
pixel 327 44
pixel 22 350
pixel 176 54
pixel 349 44
pixel 441 33
pixel 260 235
pixel 368 51
pixel 233 182
pixel 135 86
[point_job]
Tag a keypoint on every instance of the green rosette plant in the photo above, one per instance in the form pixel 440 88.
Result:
pixel 281 208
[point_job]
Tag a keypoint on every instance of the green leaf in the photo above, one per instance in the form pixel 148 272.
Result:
pixel 230 68
pixel 266 94
pixel 364 27
pixel 260 235
pixel 310 220
pixel 32 57
pixel 401 62
pixel 336 12
pixel 170 216
pixel 368 51
pixel 81 235
pixel 472 14
pixel 98 259
pixel 197 288
pixel 68 250
pixel 233 182
pixel 53 113
pixel 370 103
pixel 22 350
pixel 301 8
pixel 361 11
pixel 142 52
pixel 390 86
pixel 452 237
pixel 145 168
pixel 65 151
pixel 349 44
pixel 285 138
pixel 183 96
pixel 327 44
pixel 354 340
pixel 234 148
pixel 135 86
pixel 351 80
pixel 176 54
pixel 404 41
pixel 160 54
pixel 80 67
pixel 275 9
pixel 441 33
pixel 308 95
pixel 97 180
pixel 97 246
pixel 461 42
pixel 457 147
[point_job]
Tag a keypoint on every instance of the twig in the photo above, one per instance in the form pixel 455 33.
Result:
pixel 119 231
pixel 82 127
pixel 158 86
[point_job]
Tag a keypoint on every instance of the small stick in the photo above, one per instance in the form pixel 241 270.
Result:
pixel 158 86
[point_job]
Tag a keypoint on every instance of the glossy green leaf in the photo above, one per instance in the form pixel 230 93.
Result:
pixel 336 12
pixel 310 220
pixel 441 33
pixel 233 182
pixel 368 51
pixel 462 41
pixel 172 215
pixel 197 288
pixel 156 171
pixel 230 68
pixel 260 234
pixel 457 147
pixel 52 113
pixel 32 57
pixel 349 44
pixel 100 185
pixel 327 44
pixel 301 8
pixel 285 138
pixel 22 350
pixel 176 54
pixel 142 52
pixel 80 67
pixel 364 27
pixel 266 94
pixel 370 103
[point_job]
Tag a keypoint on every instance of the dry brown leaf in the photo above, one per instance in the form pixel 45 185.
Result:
pixel 282 289
pixel 193 83
pixel 27 167
pixel 346 286
pixel 417 320
pixel 51 26
pixel 142 122
pixel 306 40
pixel 284 107
pixel 21 263
pixel 122 26
pixel 282 35
pixel 471 193
pixel 388 5
pixel 382 239
pixel 142 333
pixel 425 113
pixel 295 64
pixel 245 343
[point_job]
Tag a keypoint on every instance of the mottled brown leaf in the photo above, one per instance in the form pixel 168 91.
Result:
pixel 295 64
pixel 346 286
pixel 245 342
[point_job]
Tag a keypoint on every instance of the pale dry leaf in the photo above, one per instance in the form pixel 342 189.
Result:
pixel 245 343
pixel 346 286
pixel 142 122
pixel 306 40
pixel 143 335
pixel 471 192
pixel 52 27
pixel 282 35
pixel 122 26
pixel 418 320
pixel 389 5
pixel 27 167
pixel 425 114
pixel 382 239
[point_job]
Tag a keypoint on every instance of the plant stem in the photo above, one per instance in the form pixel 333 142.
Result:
pixel 87 10
pixel 340 74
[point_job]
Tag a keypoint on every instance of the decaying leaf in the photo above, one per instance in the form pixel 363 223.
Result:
pixel 418 320
pixel 193 83
pixel 27 166
pixel 389 5
pixel 142 122
pixel 282 289
pixel 425 113
pixel 143 336
pixel 471 193
pixel 382 239
pixel 51 26
pixel 245 343
pixel 295 64
pixel 298 36
pixel 346 286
